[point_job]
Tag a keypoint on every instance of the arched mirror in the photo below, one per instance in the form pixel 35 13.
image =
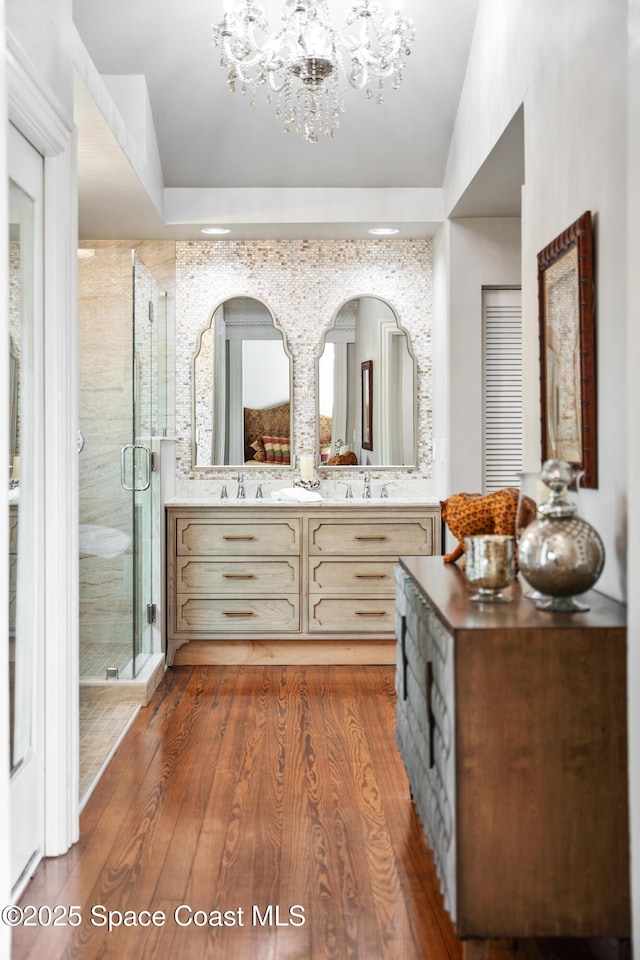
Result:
pixel 242 388
pixel 367 397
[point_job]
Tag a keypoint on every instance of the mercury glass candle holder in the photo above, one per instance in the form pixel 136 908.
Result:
pixel 490 567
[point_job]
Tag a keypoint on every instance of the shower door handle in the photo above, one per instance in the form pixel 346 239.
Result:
pixel 137 488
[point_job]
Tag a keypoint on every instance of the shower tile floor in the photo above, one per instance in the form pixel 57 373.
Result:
pixel 96 656
pixel 101 724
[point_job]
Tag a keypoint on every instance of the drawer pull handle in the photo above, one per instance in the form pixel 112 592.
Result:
pixel 379 537
pixel 370 576
pixel 431 720
pixel 228 536
pixel 239 613
pixel 370 613
pixel 239 576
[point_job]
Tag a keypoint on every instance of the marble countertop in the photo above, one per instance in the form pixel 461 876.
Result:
pixel 325 502
pixel 402 491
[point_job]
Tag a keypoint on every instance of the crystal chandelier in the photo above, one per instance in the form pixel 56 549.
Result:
pixel 302 66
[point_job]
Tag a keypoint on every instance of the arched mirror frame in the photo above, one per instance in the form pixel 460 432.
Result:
pixel 210 468
pixel 359 467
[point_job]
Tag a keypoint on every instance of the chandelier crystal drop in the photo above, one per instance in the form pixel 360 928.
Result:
pixel 303 65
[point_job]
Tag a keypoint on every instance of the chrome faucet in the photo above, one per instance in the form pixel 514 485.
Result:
pixel 240 494
pixel 259 493
pixel 384 492
pixel 366 492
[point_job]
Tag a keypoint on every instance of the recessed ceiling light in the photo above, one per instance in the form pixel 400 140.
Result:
pixel 215 231
pixel 383 231
pixel 85 252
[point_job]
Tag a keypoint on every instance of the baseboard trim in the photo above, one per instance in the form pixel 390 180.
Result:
pixel 260 652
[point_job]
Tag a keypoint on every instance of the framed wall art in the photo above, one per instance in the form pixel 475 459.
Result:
pixel 568 349
pixel 366 376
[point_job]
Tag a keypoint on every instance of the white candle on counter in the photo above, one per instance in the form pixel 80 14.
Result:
pixel 306 467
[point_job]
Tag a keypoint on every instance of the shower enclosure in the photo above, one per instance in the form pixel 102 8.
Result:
pixel 124 317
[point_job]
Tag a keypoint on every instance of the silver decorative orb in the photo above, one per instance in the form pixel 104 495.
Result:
pixel 560 554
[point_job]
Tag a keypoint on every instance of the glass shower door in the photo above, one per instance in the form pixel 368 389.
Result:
pixel 107 560
pixel 148 300
pixel 122 412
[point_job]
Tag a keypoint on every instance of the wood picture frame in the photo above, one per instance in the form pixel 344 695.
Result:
pixel 366 402
pixel 566 296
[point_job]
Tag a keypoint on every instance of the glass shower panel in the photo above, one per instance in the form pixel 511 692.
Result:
pixel 149 333
pixel 123 410
pixel 106 398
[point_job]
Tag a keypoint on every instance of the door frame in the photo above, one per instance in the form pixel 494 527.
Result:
pixel 43 121
pixel 26 170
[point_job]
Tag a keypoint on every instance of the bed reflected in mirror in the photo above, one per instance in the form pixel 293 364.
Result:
pixel 242 380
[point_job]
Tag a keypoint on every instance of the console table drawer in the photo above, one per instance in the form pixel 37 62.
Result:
pixel 209 538
pixel 351 614
pixel 376 537
pixel 200 575
pixel 351 576
pixel 237 615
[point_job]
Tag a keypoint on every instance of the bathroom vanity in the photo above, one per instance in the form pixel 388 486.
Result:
pixel 270 571
pixel 512 726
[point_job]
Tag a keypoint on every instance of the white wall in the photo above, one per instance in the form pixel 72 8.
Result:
pixel 43 30
pixel 441 378
pixel 468 255
pixel 566 63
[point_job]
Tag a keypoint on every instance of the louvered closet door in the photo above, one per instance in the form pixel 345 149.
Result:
pixel 502 382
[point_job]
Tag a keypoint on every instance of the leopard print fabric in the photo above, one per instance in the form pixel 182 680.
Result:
pixel 472 514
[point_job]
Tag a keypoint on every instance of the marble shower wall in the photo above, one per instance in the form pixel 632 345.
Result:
pixel 304 283
pixel 105 403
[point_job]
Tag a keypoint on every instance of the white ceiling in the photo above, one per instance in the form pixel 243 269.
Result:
pixel 209 138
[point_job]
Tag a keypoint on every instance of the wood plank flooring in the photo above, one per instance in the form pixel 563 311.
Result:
pixel 268 803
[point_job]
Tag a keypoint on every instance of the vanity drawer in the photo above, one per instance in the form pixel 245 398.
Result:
pixel 351 576
pixel 197 536
pixel 196 575
pixel 351 614
pixel 371 537
pixel 237 615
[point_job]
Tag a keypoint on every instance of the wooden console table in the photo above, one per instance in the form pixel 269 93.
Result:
pixel 512 726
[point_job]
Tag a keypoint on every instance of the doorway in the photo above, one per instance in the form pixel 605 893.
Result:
pixel 26 505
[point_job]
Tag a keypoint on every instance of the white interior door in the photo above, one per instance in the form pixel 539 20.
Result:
pixel 26 506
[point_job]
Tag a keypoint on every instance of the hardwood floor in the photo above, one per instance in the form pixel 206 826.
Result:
pixel 268 803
